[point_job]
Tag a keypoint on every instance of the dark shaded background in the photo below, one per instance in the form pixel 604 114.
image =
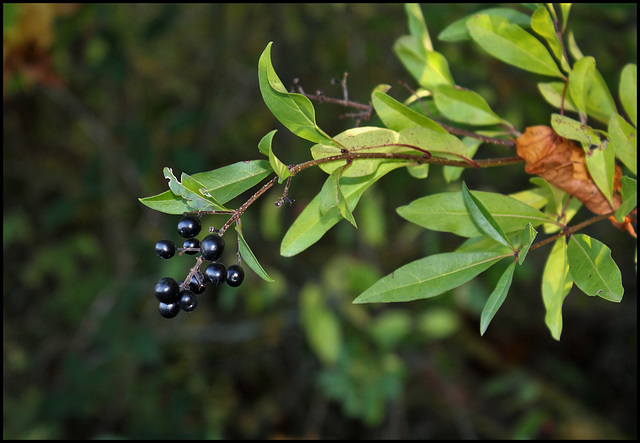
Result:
pixel 99 98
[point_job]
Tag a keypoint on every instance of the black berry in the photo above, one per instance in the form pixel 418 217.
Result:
pixel 188 301
pixel 165 249
pixel 168 310
pixel 211 247
pixel 215 273
pixel 235 275
pixel 167 290
pixel 191 243
pixel 189 226
pixel 197 283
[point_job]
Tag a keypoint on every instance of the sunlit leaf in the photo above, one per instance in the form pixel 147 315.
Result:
pixel 629 197
pixel 398 116
pixel 192 191
pixel 428 277
pixel 629 91
pixel 580 81
pixel 592 268
pixel 167 202
pixel 542 24
pixel 512 44
pixel 556 284
pixel 496 298
pixel 464 106
pixel 625 140
pixel 458 31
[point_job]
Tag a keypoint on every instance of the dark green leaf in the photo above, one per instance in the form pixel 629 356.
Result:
pixel 249 258
pixel 295 111
pixel 528 236
pixel 265 147
pixel 483 218
pixel 592 268
pixel 496 298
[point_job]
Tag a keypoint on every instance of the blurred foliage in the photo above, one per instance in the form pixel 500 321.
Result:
pixel 99 98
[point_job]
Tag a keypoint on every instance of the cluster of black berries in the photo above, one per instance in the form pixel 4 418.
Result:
pixel 169 293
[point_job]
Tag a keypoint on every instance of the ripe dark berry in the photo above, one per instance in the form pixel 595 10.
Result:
pixel 189 226
pixel 197 283
pixel 235 275
pixel 168 310
pixel 191 243
pixel 216 273
pixel 167 290
pixel 188 301
pixel 212 247
pixel 165 249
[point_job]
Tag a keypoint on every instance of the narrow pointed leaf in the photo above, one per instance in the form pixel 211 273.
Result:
pixel 249 258
pixel 295 111
pixel 496 298
pixel 447 212
pixel 429 68
pixel 542 24
pixel 167 202
pixel 428 277
pixel 592 268
pixel 313 222
pixel 228 182
pixel 191 190
pixel 580 82
pixel 483 218
pixel 397 116
pixel 417 25
pixel 629 197
pixel 629 91
pixel 528 236
pixel 265 147
pixel 556 284
pixel 512 44
pixel 458 31
pixel 625 140
pixel 464 106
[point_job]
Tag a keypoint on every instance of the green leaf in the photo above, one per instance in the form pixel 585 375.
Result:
pixel 592 268
pixel 167 202
pixel 556 284
pixel 625 141
pixel 447 212
pixel 361 139
pixel 295 111
pixel 512 44
pixel 542 24
pixel 599 156
pixel 464 106
pixel 334 197
pixel 228 182
pixel 428 277
pixel 600 101
pixel 321 326
pixel 313 222
pixel 574 50
pixel 429 68
pixel 458 31
pixel 483 218
pixel 397 116
pixel 580 82
pixel 565 8
pixel 192 191
pixel 496 298
pixel 528 236
pixel 453 173
pixel 629 198
pixel 417 25
pixel 437 143
pixel 629 91
pixel 249 258
pixel 265 147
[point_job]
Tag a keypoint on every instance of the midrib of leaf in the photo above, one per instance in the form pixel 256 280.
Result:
pixel 593 265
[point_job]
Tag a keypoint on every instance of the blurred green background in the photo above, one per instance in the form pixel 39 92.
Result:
pixel 99 98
